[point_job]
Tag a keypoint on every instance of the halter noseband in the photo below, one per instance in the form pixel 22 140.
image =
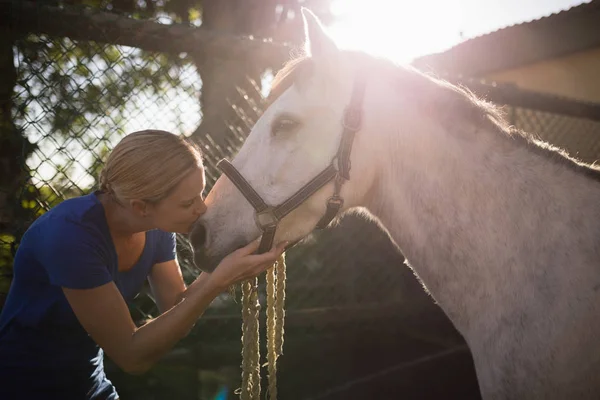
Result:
pixel 267 217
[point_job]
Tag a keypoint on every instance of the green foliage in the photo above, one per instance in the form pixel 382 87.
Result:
pixel 74 85
pixel 177 10
pixel 7 243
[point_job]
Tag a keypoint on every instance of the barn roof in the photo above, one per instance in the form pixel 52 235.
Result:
pixel 558 34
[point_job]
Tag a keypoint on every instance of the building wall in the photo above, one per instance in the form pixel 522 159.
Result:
pixel 576 75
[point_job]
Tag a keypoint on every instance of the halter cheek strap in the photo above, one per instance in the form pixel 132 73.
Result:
pixel 268 217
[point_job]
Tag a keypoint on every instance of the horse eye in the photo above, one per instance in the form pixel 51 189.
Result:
pixel 283 125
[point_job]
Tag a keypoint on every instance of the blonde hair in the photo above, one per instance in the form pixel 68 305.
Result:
pixel 148 165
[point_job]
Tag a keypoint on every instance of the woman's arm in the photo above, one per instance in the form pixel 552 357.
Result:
pixel 166 282
pixel 103 313
pixel 168 286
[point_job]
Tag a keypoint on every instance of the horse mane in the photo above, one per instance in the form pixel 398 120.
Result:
pixel 290 73
pixel 458 98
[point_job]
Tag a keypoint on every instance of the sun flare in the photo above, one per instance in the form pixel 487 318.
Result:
pixel 398 30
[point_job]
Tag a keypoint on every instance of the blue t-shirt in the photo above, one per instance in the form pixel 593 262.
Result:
pixel 44 350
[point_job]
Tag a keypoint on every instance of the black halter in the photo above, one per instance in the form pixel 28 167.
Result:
pixel 267 217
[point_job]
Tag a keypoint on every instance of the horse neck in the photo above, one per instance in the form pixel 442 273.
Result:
pixel 475 218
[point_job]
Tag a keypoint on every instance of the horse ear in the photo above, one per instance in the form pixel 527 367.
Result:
pixel 318 42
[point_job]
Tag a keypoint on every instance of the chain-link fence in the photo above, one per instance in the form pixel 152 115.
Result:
pixel 73 100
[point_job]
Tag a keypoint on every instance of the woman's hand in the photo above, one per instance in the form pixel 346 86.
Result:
pixel 242 264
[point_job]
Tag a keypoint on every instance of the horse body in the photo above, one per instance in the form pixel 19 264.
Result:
pixel 503 232
pixel 510 252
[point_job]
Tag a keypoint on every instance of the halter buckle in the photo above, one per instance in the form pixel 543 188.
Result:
pixel 335 201
pixel 266 219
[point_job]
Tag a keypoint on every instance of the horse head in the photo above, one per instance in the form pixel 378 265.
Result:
pixel 303 133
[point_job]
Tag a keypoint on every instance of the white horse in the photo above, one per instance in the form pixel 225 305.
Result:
pixel 502 230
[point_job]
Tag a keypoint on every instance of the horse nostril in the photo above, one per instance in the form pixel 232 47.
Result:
pixel 198 236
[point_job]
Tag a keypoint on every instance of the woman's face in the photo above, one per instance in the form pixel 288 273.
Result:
pixel 178 211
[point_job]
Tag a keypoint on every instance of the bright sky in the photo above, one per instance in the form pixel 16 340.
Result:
pixel 402 30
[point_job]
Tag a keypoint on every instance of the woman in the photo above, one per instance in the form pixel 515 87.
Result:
pixel 79 263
